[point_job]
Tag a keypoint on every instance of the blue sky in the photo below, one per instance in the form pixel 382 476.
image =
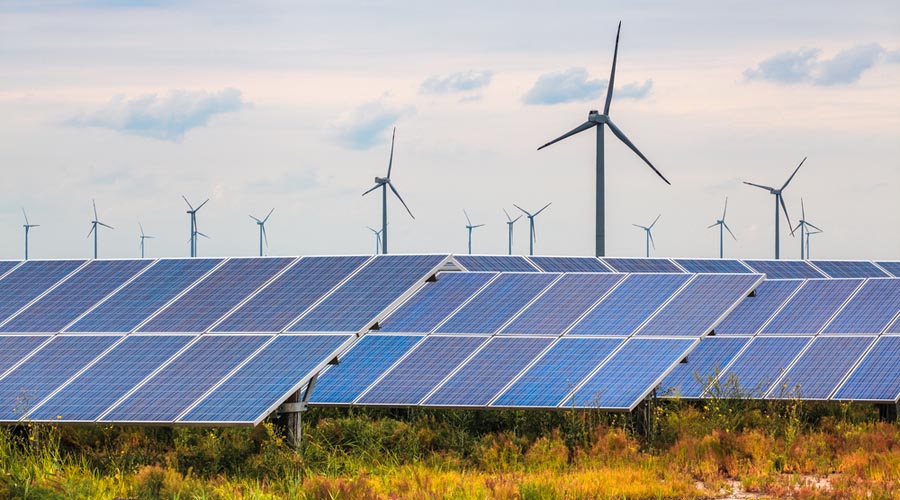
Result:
pixel 290 105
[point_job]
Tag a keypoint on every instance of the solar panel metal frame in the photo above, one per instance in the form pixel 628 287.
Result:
pixel 722 368
pixel 775 312
pixel 852 370
pixel 461 266
pixel 748 263
pixel 530 259
pixel 727 368
pixel 13 268
pixel 680 270
pixel 856 292
pixel 762 330
pixel 41 295
pixel 677 262
pixel 49 337
pixel 818 263
pixel 891 267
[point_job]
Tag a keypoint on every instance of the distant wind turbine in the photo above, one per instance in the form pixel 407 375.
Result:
pixel 804 226
pixel 779 202
pixel 509 222
pixel 143 237
pixel 470 227
pixel 27 227
pixel 94 223
pixel 723 226
pixel 262 231
pixel 195 231
pixel 647 229
pixel 384 183
pixel 595 119
pixel 377 240
pixel 808 234
pixel 532 235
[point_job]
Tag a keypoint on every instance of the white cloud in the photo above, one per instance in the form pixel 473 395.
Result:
pixel 463 81
pixel 573 84
pixel 368 124
pixel 804 66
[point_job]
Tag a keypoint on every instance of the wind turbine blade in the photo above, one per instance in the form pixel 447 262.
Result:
pixel 370 229
pixel 813 226
pixel 581 128
pixel 257 220
pixel 201 205
pixel 522 209
pixel 28 223
pixel 105 225
pixel 654 221
pixel 621 135
pixel 802 209
pixel 517 218
pixel 269 215
pixel 391 161
pixel 391 185
pixel 95 209
pixel 508 218
pixel 479 225
pixel 149 237
pixel 612 73
pixel 642 227
pixel 541 210
pixel 786 216
pixel 797 227
pixel 726 208
pixel 188 203
pixel 467 217
pixel 142 228
pixel 769 188
pixel 93 226
pixel 729 231
pixel 376 186
pixel 205 236
pixel 712 225
pixel 651 239
pixel 792 175
pixel 265 236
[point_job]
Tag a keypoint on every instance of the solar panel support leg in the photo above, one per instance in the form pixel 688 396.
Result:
pixel 643 417
pixel 293 409
pixel 888 412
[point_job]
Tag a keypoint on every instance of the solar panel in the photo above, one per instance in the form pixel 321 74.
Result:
pixel 488 372
pixel 434 302
pixel 870 310
pixel 892 267
pixel 110 378
pixel 29 280
pixel 419 372
pixel 218 293
pixel 717 266
pixel 359 367
pixel 849 269
pixel 876 378
pixel 15 347
pixel 821 368
pixel 557 372
pixel 696 308
pixel 784 269
pixel 812 306
pixel 65 303
pixel 136 301
pixel 267 379
pixel 496 263
pixel 354 305
pixel 758 367
pixel 291 293
pixel 630 374
pixel 6 265
pixel 566 301
pixel 630 304
pixel 702 365
pixel 497 303
pixel 570 264
pixel 635 265
pixel 170 391
pixel 751 314
pixel 32 381
pixel 895 326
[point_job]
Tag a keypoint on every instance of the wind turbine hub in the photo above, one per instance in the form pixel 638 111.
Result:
pixel 595 117
pixel 381 180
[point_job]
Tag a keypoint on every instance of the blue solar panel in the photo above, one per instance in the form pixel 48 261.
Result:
pixel 6 265
pixel 32 381
pixel 283 300
pixel 717 266
pixel 630 304
pixel 563 303
pixel 357 303
pixel 784 269
pixel 895 327
pixel 267 379
pixel 14 347
pixel 634 265
pixel 751 314
pixel 876 378
pixel 849 269
pixel 892 267
pixel 110 378
pixel 557 372
pixel 760 365
pixel 711 356
pixel 811 307
pixel 186 378
pixel 570 264
pixel 497 303
pixel 75 296
pixel 624 380
pixel 365 362
pixel 30 280
pixel 142 297
pixel 488 372
pixel 417 374
pixel 697 307
pixel 434 302
pixel 821 367
pixel 496 263
pixel 218 293
pixel 870 310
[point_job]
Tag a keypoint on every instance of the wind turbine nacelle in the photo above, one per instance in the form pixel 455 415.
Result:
pixel 381 180
pixel 594 116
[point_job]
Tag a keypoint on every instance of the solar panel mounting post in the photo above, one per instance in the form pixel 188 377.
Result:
pixel 293 409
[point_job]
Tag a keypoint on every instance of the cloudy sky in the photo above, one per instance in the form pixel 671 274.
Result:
pixel 291 104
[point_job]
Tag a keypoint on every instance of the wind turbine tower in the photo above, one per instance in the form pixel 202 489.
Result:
pixel 470 227
pixel 195 231
pixel 804 226
pixel 648 229
pixel 94 223
pixel 377 240
pixel 723 227
pixel 509 223
pixel 384 183
pixel 532 235
pixel 143 237
pixel 779 204
pixel 262 231
pixel 27 227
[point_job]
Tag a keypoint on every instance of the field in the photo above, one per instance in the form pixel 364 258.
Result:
pixel 720 448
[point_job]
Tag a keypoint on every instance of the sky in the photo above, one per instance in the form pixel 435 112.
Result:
pixel 290 105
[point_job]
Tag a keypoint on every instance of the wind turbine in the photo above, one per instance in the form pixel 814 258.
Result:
pixel 509 222
pixel 722 225
pixel 595 119
pixel 384 183
pixel 94 223
pixel 647 230
pixel 195 231
pixel 779 201
pixel 143 237
pixel 27 227
pixel 808 234
pixel 377 240
pixel 470 227
pixel 804 226
pixel 532 235
pixel 262 231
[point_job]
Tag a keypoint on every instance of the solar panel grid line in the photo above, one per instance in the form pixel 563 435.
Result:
pixel 526 306
pixel 523 371
pixel 679 266
pixel 532 259
pixel 781 307
pixel 726 367
pixel 839 308
pixel 11 269
pixel 705 378
pixel 766 282
pixel 452 372
pixel 892 267
pixel 750 345
pixel 524 259
pixel 656 383
pixel 881 268
pixel 872 338
pixel 44 293
pixel 26 357
pixel 844 305
pixel 571 394
pixel 639 265
pixel 594 305
pixel 735 305
pixel 390 368
pixel 852 370
pixel 663 306
pixel 465 303
pixel 779 380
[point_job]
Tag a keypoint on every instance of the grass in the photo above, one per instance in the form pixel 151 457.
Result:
pixel 689 450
